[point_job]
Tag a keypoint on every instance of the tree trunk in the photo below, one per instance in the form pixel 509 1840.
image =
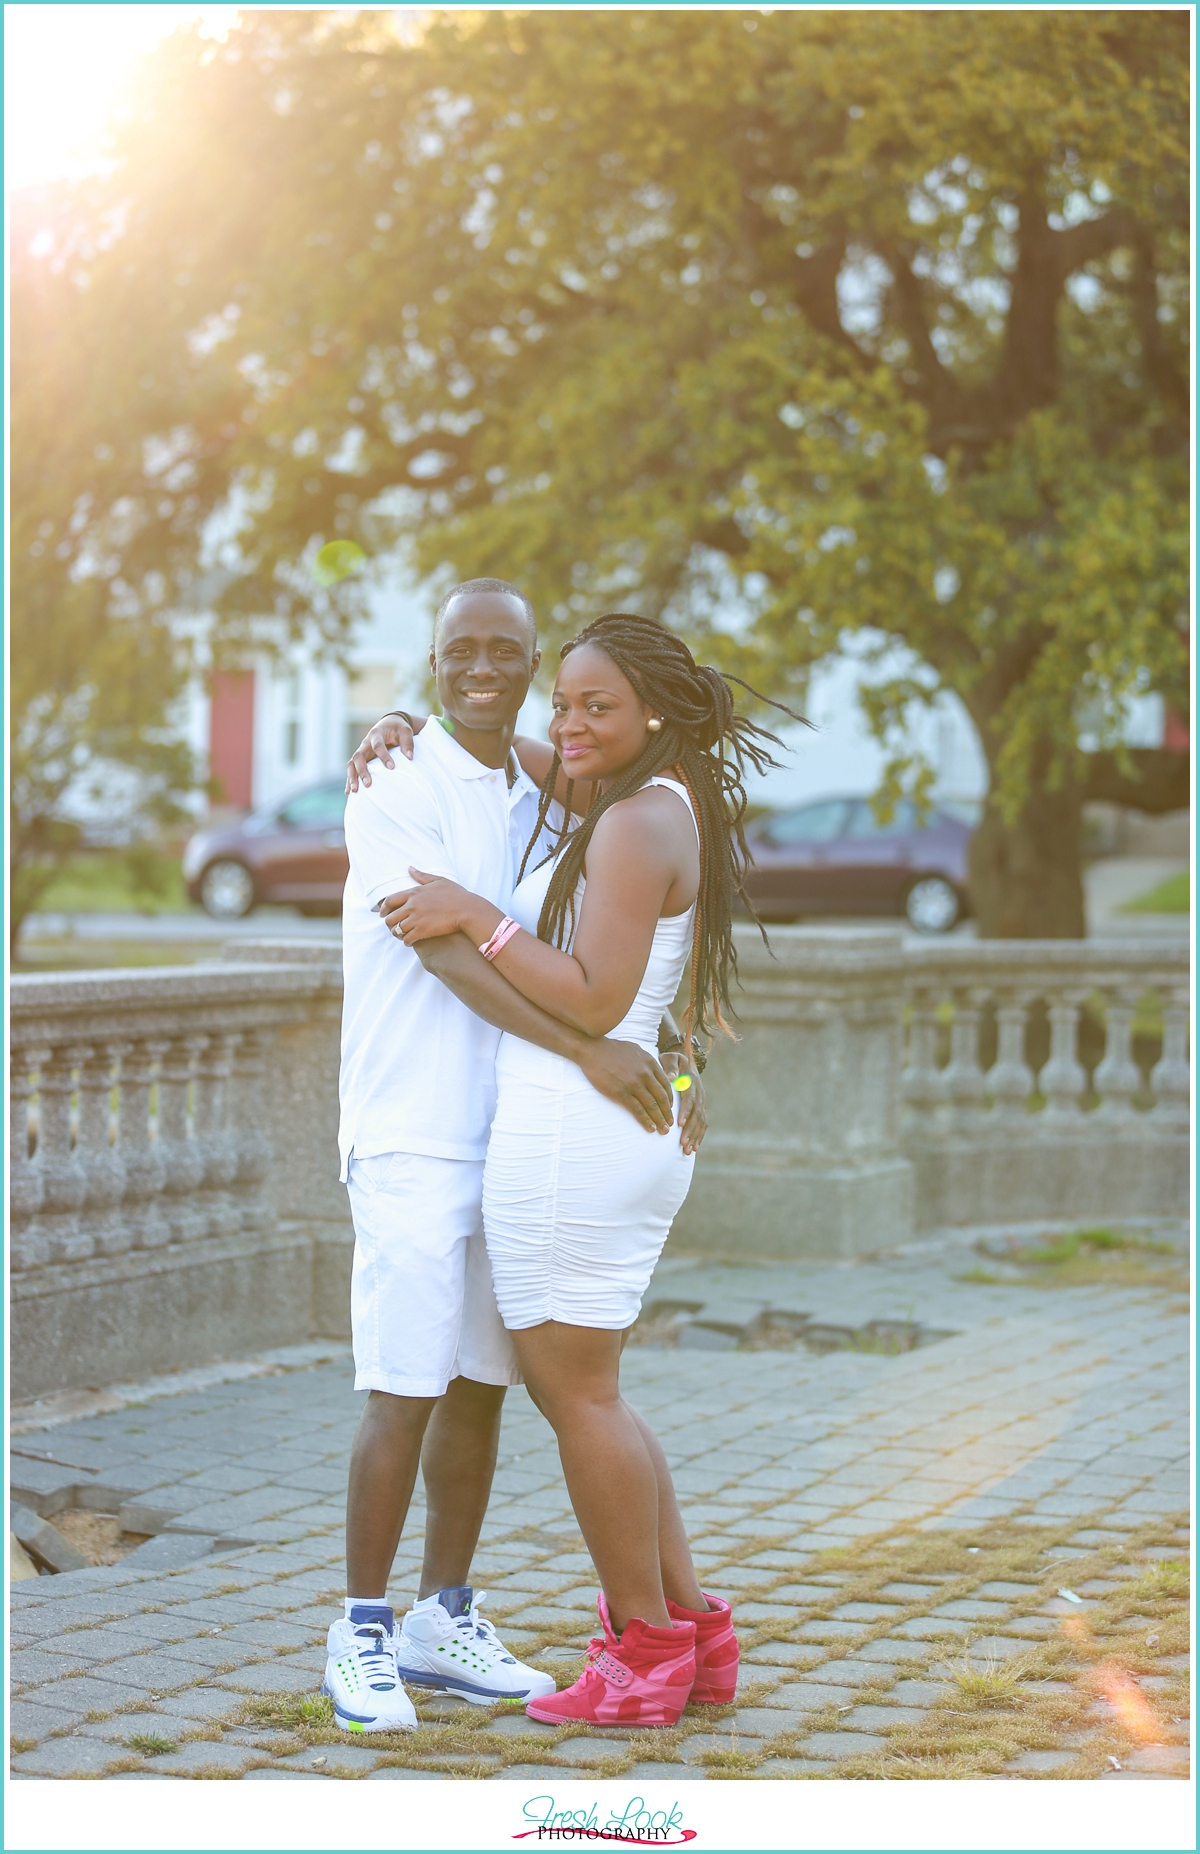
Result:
pixel 1026 878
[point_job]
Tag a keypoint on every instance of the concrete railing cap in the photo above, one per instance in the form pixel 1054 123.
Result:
pixel 283 952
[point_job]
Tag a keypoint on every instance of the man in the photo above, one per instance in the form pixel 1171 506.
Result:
pixel 419 1037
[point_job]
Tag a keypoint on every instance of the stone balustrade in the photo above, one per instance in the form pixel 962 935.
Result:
pixel 1046 1080
pixel 173 1165
pixel 804 1152
pixel 174 1193
pixel 884 1085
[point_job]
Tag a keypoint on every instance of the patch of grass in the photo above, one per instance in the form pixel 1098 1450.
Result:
pixel 1087 1258
pixel 734 1761
pixel 1059 1687
pixel 751 1694
pixel 218 1773
pixel 990 1683
pixel 886 1344
pixel 280 1711
pixel 151 1745
pixel 995 1710
pixel 1069 1247
pixel 140 880
pixel 22 1744
pixel 1174 896
pixel 1167 1579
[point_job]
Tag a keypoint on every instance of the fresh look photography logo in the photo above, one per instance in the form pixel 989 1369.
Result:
pixel 633 1823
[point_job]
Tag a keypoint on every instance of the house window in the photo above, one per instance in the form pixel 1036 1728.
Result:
pixel 370 693
pixel 293 731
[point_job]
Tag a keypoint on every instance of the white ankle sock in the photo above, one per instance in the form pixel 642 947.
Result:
pixel 354 1602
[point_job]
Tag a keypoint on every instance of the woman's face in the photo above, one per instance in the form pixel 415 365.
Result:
pixel 599 722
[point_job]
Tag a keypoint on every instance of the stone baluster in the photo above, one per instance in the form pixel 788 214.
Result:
pixel 217 1138
pixel 921 1079
pixel 108 1226
pixel 1117 1078
pixel 30 1244
pixel 64 1178
pixel 139 1152
pixel 1063 1078
pixel 179 1149
pixel 963 1081
pixel 1010 1078
pixel 253 1146
pixel 1171 1076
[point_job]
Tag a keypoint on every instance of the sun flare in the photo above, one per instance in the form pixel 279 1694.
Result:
pixel 64 68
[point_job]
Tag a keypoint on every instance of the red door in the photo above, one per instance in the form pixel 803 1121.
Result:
pixel 231 737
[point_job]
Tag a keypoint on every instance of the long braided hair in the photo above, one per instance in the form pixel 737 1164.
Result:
pixel 711 747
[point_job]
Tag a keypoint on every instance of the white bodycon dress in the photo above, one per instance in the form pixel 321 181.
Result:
pixel 578 1199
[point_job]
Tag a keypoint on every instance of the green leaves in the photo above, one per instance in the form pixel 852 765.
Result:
pixel 857 322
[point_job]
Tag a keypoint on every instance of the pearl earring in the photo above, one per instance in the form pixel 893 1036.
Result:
pixel 654 724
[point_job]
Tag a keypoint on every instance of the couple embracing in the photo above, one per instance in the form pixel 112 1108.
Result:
pixel 517 920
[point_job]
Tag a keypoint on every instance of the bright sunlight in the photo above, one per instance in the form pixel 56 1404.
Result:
pixel 64 69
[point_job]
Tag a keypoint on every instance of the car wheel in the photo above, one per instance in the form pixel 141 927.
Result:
pixel 227 890
pixel 932 905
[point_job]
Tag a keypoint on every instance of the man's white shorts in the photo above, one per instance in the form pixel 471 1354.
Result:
pixel 422 1308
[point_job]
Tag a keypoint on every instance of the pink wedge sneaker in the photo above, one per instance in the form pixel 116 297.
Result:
pixel 641 1677
pixel 716 1650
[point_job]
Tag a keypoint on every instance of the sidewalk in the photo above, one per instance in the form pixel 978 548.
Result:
pixel 1109 883
pixel 967 1559
pixel 1112 882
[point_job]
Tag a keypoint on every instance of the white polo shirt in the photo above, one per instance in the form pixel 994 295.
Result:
pixel 418 1068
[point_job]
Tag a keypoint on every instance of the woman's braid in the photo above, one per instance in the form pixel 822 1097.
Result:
pixel 711 747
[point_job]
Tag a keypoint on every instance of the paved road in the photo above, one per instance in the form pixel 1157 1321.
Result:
pixel 1109 884
pixel 894 1531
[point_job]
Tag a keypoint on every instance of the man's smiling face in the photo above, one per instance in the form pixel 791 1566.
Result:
pixel 484 657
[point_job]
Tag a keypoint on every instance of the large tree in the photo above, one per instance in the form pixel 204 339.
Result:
pixel 855 321
pixel 96 662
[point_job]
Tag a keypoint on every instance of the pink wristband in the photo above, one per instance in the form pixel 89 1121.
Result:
pixel 489 945
pixel 500 938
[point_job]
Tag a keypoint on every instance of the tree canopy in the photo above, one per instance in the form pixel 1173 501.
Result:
pixel 843 321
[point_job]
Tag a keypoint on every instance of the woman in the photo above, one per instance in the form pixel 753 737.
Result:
pixel 578 1199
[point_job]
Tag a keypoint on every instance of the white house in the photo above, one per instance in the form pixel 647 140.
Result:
pixel 288 721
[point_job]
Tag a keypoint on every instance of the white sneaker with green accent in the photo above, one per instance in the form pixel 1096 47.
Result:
pixel 361 1676
pixel 445 1643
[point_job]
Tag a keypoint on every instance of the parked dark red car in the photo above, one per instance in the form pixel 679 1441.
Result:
pixel 292 850
pixel 829 857
pixel 834 857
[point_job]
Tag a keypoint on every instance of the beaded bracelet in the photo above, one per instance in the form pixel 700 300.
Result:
pixel 500 938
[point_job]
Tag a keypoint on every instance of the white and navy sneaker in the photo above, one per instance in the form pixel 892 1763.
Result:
pixel 445 1643
pixel 360 1674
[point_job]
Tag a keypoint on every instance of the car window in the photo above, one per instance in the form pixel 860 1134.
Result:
pixel 321 807
pixel 811 824
pixel 862 821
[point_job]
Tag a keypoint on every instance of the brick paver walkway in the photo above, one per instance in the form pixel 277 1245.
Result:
pixel 895 1532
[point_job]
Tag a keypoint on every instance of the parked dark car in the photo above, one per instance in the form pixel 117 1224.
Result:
pixel 835 857
pixel 292 850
